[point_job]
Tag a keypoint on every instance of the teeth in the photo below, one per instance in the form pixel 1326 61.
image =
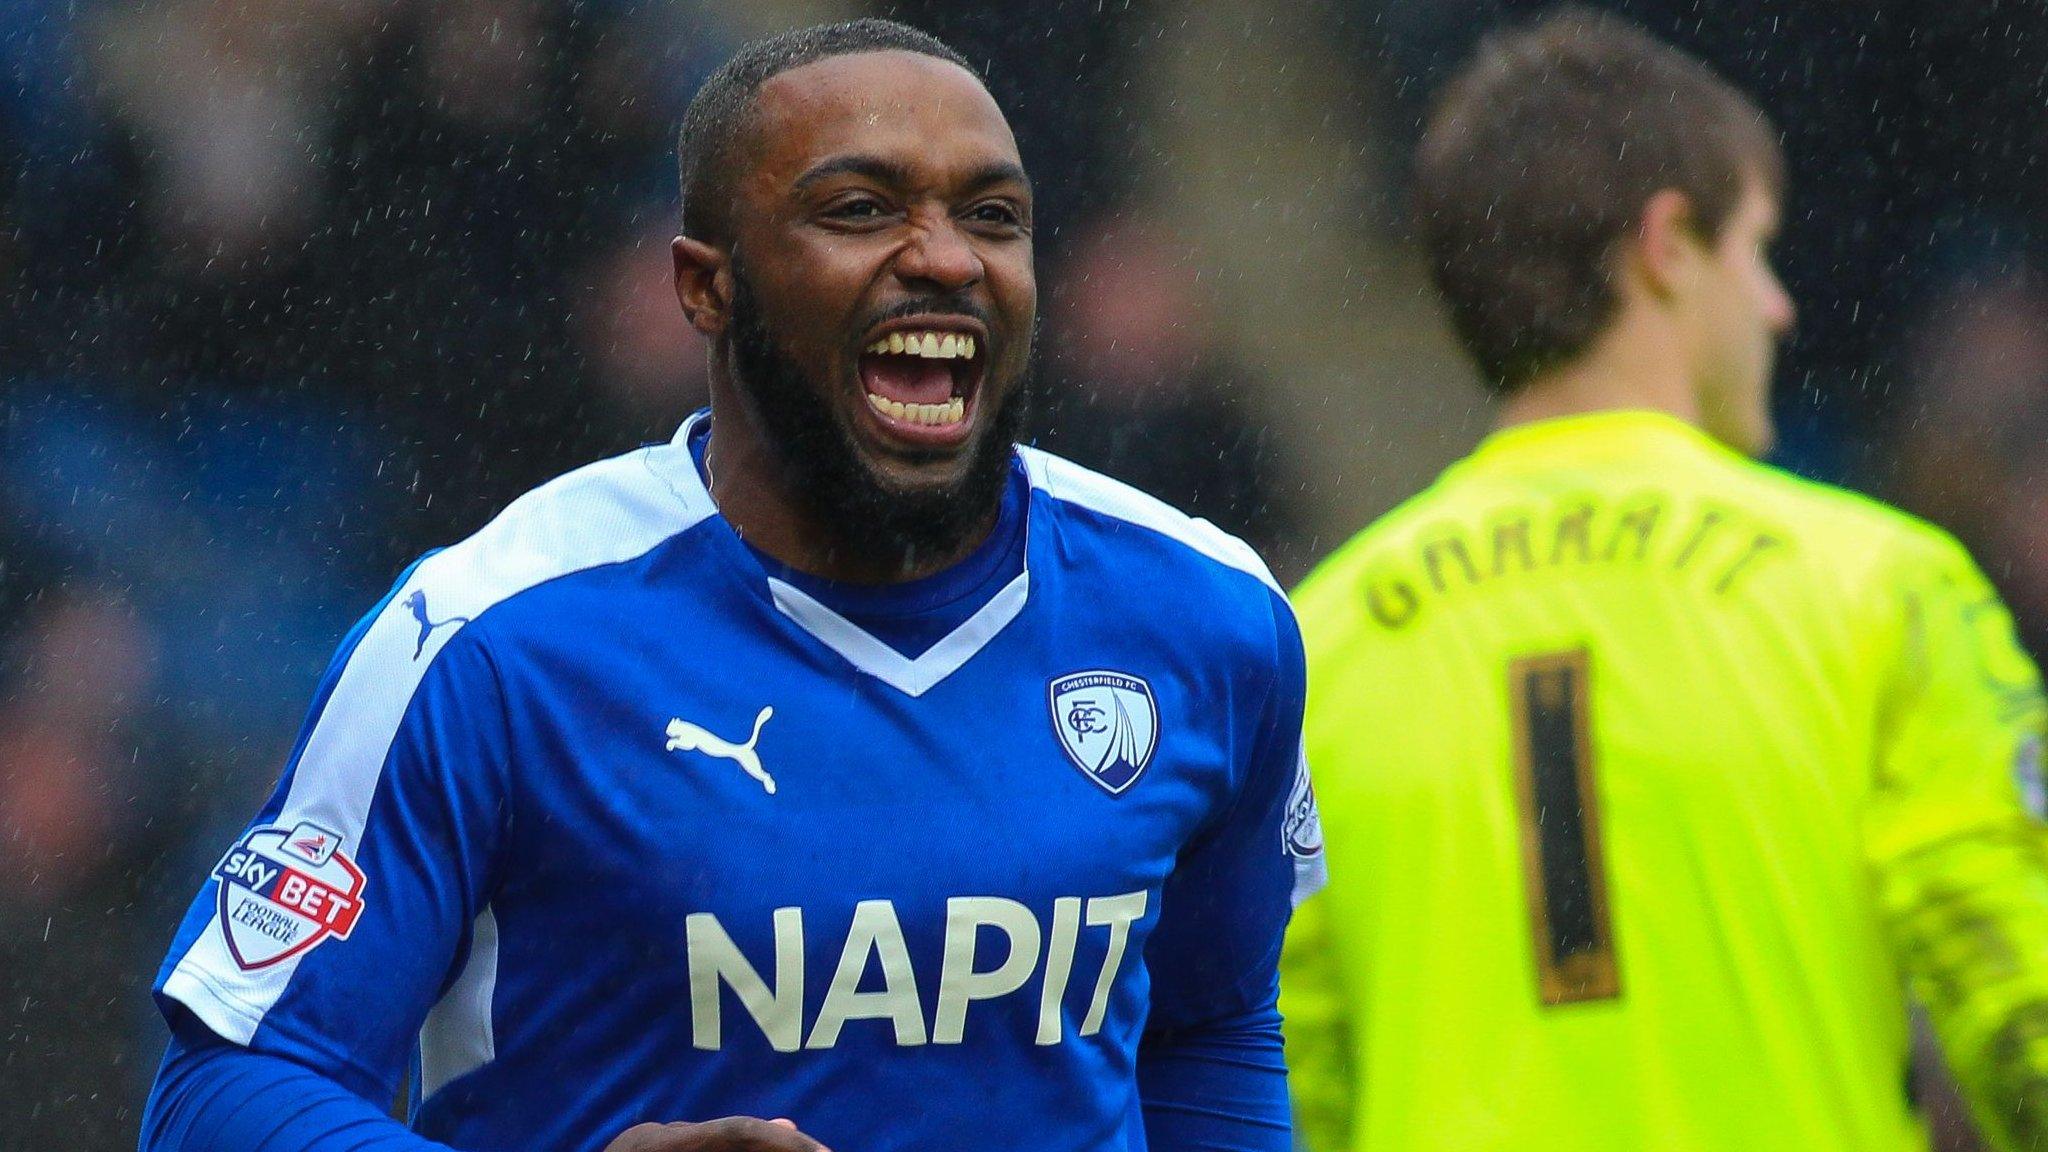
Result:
pixel 945 412
pixel 929 345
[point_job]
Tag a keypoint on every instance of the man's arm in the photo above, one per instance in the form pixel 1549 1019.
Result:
pixel 1957 857
pixel 299 981
pixel 1210 1070
pixel 320 941
pixel 213 1096
pixel 1220 1086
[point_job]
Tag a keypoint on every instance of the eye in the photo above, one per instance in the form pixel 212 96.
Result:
pixel 1000 213
pixel 856 208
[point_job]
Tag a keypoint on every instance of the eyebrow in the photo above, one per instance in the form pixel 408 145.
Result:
pixel 889 172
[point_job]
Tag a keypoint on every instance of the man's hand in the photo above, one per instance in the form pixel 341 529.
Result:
pixel 731 1134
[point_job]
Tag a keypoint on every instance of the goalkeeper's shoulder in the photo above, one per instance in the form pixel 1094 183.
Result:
pixel 1862 540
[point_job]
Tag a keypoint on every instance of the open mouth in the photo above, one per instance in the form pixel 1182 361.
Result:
pixel 922 382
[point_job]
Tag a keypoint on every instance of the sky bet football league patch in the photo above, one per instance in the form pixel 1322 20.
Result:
pixel 284 890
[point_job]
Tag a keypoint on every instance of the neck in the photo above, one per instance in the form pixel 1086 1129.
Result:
pixel 1631 366
pixel 757 494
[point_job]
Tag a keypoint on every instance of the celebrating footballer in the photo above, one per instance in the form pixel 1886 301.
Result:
pixel 837 774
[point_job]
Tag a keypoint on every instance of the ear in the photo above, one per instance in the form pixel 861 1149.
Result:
pixel 703 284
pixel 1668 245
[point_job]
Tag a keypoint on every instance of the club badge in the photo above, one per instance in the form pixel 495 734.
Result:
pixel 1108 723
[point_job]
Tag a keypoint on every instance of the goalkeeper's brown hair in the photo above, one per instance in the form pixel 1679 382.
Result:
pixel 1536 163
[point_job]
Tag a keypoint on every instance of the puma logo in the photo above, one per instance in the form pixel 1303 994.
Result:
pixel 418 603
pixel 687 737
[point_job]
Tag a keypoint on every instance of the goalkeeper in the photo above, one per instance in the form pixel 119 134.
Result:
pixel 1653 777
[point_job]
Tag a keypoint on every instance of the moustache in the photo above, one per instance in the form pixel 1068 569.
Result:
pixel 941 304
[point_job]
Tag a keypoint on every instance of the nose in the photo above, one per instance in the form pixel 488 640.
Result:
pixel 939 255
pixel 1779 311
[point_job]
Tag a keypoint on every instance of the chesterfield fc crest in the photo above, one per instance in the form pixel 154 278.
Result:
pixel 1108 723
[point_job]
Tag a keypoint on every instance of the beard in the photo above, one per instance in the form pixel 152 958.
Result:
pixel 874 522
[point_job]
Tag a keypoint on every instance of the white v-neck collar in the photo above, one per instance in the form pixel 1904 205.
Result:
pixel 912 676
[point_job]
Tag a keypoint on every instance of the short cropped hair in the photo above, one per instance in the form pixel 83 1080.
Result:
pixel 718 114
pixel 1535 166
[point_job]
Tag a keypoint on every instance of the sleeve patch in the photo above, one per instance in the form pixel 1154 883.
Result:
pixel 1301 834
pixel 1302 830
pixel 285 890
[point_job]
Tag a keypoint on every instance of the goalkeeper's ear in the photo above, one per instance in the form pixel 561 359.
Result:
pixel 1669 248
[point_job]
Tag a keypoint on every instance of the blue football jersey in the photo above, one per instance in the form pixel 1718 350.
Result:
pixel 596 821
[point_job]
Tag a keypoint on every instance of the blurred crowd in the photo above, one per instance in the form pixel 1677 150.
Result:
pixel 295 290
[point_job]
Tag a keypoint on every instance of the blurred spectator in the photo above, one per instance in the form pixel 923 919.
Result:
pixel 1138 386
pixel 642 60
pixel 1063 72
pixel 644 366
pixel 1973 452
pixel 176 580
pixel 78 675
pixel 234 136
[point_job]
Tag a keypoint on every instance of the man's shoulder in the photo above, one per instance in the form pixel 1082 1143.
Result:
pixel 1139 526
pixel 1847 526
pixel 592 518
pixel 1847 538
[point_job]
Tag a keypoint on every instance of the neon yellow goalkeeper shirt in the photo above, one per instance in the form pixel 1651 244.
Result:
pixel 1647 774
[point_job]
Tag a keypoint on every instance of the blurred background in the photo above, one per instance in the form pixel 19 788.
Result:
pixel 297 289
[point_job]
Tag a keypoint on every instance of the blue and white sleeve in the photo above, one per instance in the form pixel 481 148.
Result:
pixel 214 1096
pixel 1210 1070
pixel 357 900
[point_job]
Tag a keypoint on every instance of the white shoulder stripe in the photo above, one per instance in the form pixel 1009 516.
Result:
pixel 1065 480
pixel 606 513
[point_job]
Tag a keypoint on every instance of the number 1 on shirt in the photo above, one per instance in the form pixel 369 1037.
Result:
pixel 1564 871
